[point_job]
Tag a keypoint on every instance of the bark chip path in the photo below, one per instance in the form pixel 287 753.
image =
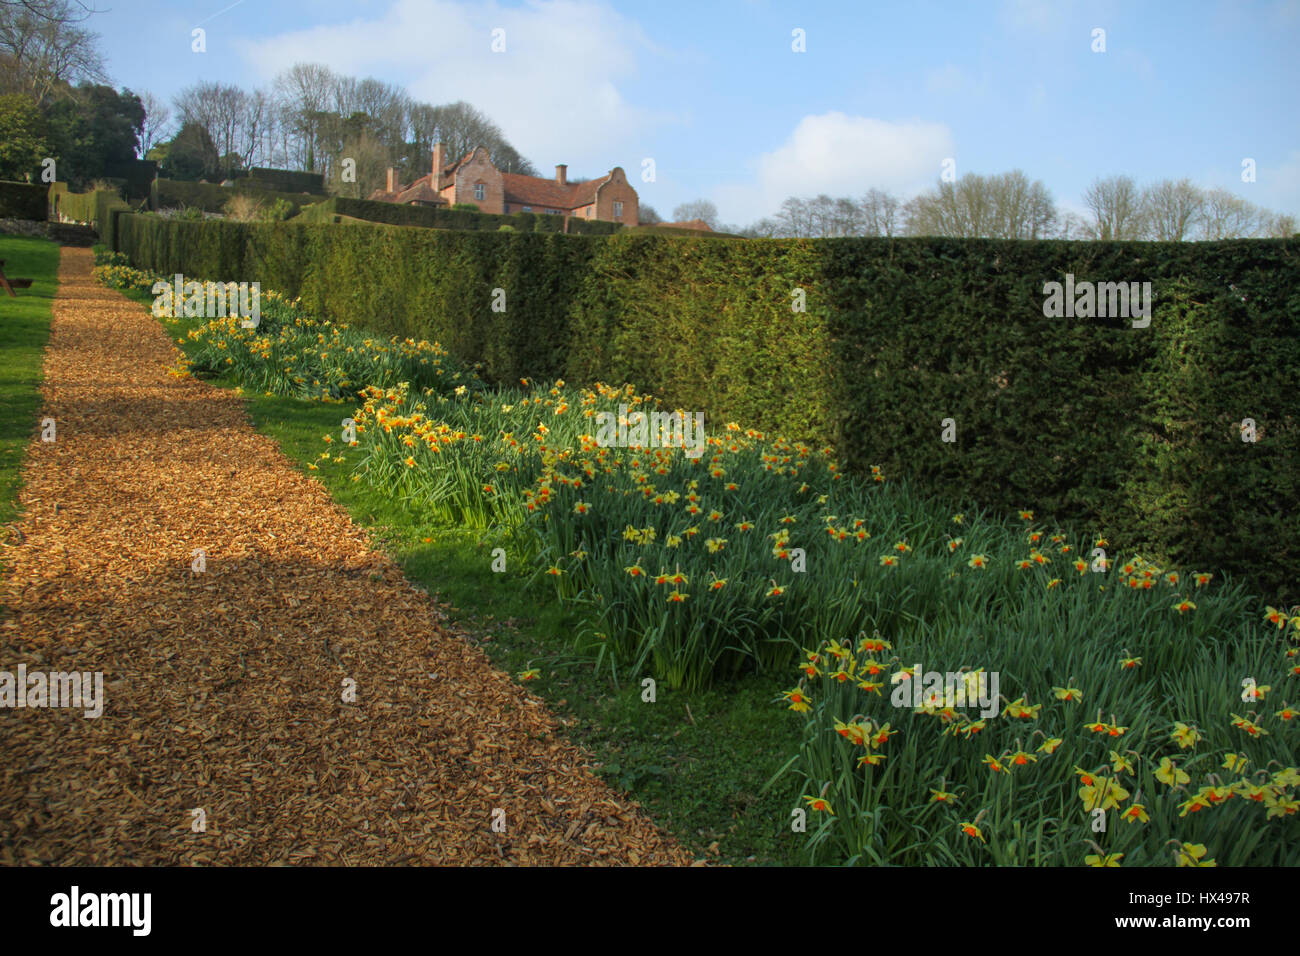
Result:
pixel 224 737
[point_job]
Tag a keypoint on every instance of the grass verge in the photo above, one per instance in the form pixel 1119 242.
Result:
pixel 24 331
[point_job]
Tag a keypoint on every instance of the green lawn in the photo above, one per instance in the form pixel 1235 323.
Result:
pixel 696 761
pixel 24 330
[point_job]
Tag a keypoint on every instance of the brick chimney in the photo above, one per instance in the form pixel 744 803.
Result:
pixel 390 184
pixel 439 163
pixel 561 174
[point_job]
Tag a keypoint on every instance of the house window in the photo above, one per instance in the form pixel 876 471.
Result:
pixel 480 191
pixel 618 209
pixel 528 209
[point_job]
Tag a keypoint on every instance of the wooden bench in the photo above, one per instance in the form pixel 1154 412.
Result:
pixel 11 284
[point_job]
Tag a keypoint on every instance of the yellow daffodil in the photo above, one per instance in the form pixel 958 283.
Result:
pixel 1185 736
pixel 1235 762
pixel 1255 692
pixel 1249 726
pixel 1105 794
pixel 1135 814
pixel 1168 773
pixel 972 831
pixel 819 804
pixel 1282 807
pixel 1018 708
pixel 799 701
pixel 1119 762
pixel 1189 854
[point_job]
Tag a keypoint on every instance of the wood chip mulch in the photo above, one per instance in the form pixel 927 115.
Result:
pixel 224 689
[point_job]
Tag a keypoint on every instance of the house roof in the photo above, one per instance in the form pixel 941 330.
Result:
pixel 536 191
pixel 520 190
pixel 420 191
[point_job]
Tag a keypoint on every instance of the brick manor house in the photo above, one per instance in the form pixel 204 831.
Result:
pixel 473 179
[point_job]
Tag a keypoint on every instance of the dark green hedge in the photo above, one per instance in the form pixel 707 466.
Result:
pixel 592 227
pixel 439 217
pixel 286 180
pixel 1131 430
pixel 136 177
pixel 23 201
pixel 98 209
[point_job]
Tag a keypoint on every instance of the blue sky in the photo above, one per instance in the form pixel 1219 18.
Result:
pixel 715 95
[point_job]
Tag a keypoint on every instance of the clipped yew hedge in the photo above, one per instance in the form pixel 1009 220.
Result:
pixel 22 201
pixel 1133 430
pixel 98 209
pixel 210 197
pixel 438 217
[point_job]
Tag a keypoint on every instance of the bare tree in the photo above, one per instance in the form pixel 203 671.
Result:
pixel 1116 208
pixel 794 219
pixel 1022 209
pixel 157 116
pixel 1229 217
pixel 304 93
pixel 41 48
pixel 763 229
pixel 1171 209
pixel 1280 226
pixel 1073 226
pixel 47 10
pixel 1004 206
pixel 880 213
pixel 697 209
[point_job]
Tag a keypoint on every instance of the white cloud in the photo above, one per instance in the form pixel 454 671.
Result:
pixel 554 92
pixel 839 155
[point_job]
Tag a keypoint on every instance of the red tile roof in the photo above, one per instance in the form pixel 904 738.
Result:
pixel 421 191
pixel 519 190
pixel 547 193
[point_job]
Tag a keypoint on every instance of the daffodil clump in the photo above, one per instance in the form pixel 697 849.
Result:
pixel 693 569
pixel 291 353
pixel 1087 762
